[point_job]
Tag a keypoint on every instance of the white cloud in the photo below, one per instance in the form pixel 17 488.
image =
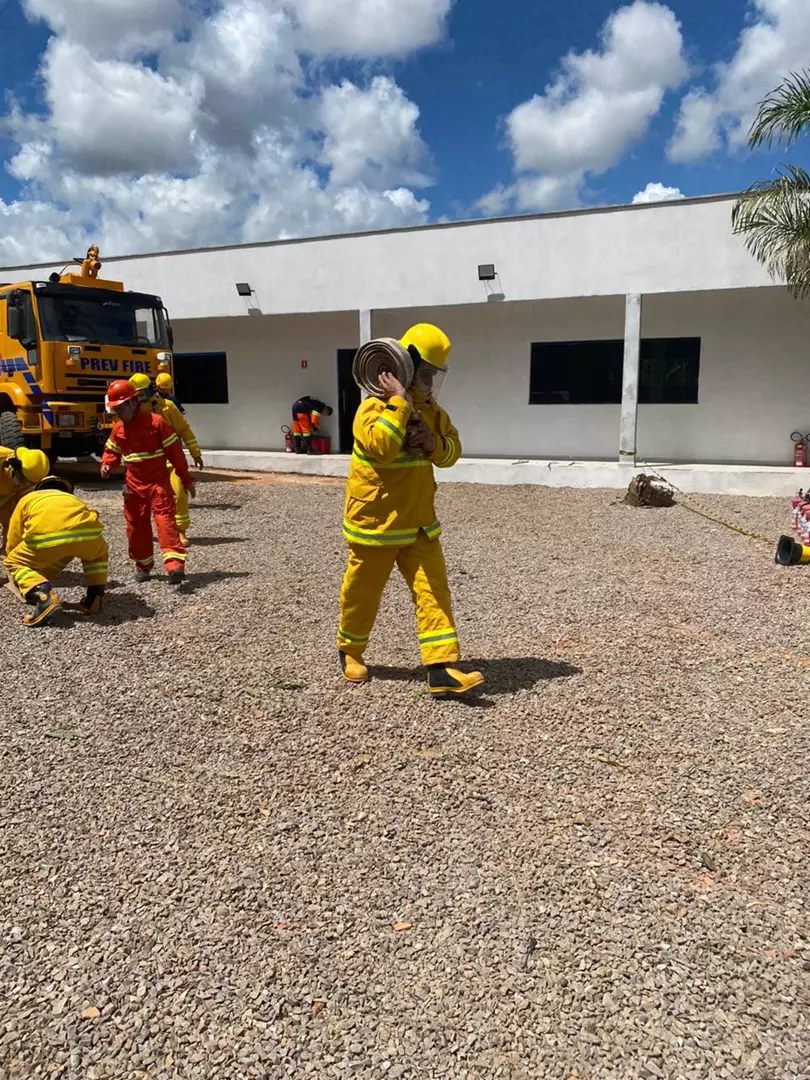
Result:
pixel 600 104
pixel 209 133
pixel 246 56
pixel 548 192
pixel 369 28
pixel 602 101
pixel 497 201
pixel 112 27
pixel 776 42
pixel 111 116
pixel 371 135
pixel 655 192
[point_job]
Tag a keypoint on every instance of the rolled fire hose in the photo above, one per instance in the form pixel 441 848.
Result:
pixel 379 356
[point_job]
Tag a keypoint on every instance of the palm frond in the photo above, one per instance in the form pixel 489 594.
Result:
pixel 773 216
pixel 784 114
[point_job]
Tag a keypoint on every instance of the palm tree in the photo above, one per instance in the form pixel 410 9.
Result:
pixel 774 215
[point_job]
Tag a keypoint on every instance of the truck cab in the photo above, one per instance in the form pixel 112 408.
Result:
pixel 62 342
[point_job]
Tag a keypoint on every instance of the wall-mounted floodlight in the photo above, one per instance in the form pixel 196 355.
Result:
pixel 243 288
pixel 486 272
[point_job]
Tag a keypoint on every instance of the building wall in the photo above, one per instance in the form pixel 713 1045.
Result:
pixel 671 247
pixel 753 390
pixel 487 389
pixel 264 372
pixel 754 379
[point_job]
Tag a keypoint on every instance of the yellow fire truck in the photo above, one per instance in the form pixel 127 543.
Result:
pixel 62 342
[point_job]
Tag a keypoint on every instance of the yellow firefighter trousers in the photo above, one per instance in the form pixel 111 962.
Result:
pixel 181 501
pixel 30 567
pixel 422 566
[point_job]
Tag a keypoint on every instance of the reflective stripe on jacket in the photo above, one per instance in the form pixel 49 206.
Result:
pixel 144 445
pixel 390 491
pixel 47 519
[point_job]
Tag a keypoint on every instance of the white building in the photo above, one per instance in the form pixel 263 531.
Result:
pixel 544 356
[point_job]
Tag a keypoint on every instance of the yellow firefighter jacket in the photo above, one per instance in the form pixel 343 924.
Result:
pixel 48 519
pixel 176 421
pixel 390 492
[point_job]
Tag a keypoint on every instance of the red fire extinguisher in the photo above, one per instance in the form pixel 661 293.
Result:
pixel 799 450
pixel 289 446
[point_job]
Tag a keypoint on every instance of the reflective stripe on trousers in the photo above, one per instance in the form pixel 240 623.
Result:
pixel 422 565
pixel 140 506
pixel 31 566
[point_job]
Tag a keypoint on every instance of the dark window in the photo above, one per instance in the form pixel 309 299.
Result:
pixel 201 378
pixel 590 372
pixel 670 371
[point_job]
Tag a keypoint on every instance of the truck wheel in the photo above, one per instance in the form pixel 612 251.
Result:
pixel 11 435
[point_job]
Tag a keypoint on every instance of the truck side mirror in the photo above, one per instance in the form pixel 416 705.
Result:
pixel 15 323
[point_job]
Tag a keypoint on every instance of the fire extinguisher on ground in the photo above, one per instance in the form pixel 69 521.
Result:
pixel 288 439
pixel 799 450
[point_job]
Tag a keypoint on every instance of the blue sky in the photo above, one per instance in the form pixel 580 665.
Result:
pixel 174 122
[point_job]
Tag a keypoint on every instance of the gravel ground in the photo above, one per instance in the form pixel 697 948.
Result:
pixel 218 861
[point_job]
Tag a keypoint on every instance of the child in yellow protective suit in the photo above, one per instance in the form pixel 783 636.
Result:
pixel 390 517
pixel 50 527
pixel 151 401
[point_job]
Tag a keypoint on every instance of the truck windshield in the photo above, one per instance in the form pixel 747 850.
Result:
pixel 113 320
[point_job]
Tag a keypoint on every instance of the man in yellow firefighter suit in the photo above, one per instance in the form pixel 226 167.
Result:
pixel 19 471
pixel 390 517
pixel 151 401
pixel 50 527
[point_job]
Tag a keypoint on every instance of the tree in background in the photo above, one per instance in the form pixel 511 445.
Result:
pixel 774 215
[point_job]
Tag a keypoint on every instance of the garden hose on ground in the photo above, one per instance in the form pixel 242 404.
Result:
pixel 379 356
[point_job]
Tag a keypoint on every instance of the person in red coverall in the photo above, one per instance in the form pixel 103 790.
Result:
pixel 144 441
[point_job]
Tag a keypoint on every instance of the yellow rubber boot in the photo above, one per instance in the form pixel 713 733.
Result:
pixel 354 670
pixel 446 682
pixel 45 603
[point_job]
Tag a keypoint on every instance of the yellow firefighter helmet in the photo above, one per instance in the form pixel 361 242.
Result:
pixel 432 344
pixel 34 464
pixel 140 381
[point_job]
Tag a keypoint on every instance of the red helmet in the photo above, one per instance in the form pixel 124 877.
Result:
pixel 119 392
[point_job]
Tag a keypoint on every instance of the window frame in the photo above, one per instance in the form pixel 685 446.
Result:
pixel 612 366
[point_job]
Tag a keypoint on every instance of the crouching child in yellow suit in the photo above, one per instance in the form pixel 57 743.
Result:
pixel 390 517
pixel 50 527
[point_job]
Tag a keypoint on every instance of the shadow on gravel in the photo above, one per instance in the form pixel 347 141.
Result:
pixel 216 541
pixel 194 582
pixel 506 676
pixel 121 609
pixel 503 676
pixel 216 506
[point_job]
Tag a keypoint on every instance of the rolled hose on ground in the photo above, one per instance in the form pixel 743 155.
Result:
pixel 379 356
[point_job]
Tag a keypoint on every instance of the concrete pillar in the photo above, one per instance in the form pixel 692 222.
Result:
pixel 632 352
pixel 365 327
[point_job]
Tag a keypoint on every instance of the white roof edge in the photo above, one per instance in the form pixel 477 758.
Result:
pixel 465 223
